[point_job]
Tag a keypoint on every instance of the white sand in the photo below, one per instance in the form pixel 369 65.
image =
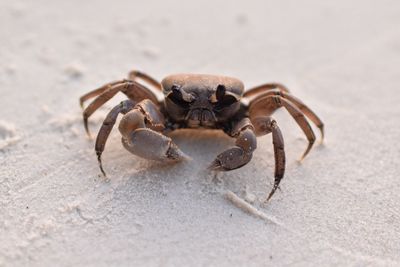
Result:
pixel 341 206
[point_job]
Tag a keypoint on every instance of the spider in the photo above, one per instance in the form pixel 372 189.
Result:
pixel 198 101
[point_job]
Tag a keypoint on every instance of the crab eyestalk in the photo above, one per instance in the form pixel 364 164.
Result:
pixel 178 92
pixel 220 92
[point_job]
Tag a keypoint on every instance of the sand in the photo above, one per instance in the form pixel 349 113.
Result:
pixel 340 206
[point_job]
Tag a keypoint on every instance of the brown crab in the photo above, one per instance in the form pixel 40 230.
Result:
pixel 198 101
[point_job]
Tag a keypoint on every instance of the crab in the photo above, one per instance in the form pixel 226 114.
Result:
pixel 198 101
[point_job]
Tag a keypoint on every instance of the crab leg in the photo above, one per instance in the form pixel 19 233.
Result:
pixel 133 90
pixel 266 105
pixel 266 125
pixel 133 75
pixel 251 93
pixel 307 111
pixel 280 89
pixel 240 154
pixel 107 126
pixel 97 91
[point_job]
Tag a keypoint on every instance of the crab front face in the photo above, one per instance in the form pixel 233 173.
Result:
pixel 201 100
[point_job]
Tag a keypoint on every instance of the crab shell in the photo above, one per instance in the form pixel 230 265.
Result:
pixel 201 100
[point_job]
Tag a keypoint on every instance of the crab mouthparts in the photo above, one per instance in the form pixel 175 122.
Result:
pixel 200 117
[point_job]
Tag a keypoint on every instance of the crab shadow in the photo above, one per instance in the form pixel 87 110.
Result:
pixel 145 193
pixel 201 146
pixel 136 178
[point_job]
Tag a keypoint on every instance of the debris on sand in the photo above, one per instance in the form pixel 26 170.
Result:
pixel 74 70
pixel 246 207
pixel 8 134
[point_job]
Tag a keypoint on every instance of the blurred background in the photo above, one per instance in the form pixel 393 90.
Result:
pixel 342 58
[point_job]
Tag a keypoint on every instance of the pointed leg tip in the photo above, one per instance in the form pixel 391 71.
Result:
pixel 301 159
pixel 85 123
pixel 269 197
pixel 322 140
pixel 276 186
pixel 101 165
pixel 306 152
pixel 322 130
pixel 89 135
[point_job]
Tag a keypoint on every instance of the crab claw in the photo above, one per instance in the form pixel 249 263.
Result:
pixel 152 145
pixel 175 154
pixel 230 159
pixel 215 166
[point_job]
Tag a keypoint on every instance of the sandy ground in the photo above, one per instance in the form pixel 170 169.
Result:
pixel 339 207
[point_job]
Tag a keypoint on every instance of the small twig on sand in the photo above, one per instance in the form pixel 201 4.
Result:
pixel 246 207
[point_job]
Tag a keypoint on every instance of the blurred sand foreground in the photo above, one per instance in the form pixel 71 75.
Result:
pixel 339 207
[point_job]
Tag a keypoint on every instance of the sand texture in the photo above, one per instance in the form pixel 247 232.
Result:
pixel 339 207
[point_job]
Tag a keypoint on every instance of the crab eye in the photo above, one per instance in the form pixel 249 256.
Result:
pixel 179 96
pixel 220 92
pixel 223 98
